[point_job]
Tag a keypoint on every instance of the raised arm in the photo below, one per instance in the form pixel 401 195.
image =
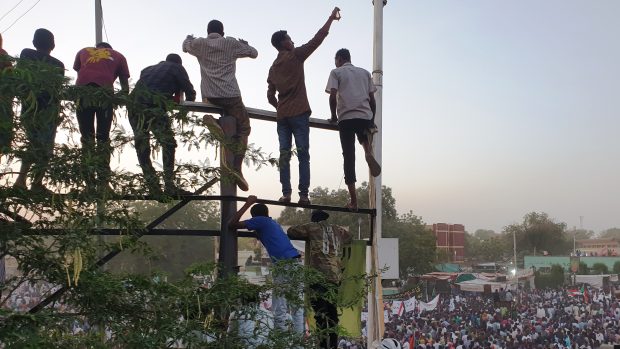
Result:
pixel 235 220
pixel 304 51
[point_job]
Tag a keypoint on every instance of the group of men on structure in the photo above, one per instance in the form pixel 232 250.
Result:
pixel 351 102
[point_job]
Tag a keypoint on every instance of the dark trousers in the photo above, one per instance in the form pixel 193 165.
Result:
pixel 325 315
pixel 95 124
pixel 348 129
pixel 153 119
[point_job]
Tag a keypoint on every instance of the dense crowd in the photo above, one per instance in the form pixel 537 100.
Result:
pixel 535 319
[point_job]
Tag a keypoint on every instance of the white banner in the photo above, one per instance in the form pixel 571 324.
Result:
pixel 397 308
pixel 410 304
pixel 432 305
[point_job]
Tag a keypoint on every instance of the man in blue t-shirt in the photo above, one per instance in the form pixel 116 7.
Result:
pixel 280 249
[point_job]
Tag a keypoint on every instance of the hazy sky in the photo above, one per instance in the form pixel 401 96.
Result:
pixel 492 109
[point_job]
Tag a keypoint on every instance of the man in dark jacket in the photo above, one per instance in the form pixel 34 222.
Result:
pixel 157 85
pixel 40 117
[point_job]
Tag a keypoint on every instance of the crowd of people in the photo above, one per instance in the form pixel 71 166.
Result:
pixel 351 103
pixel 534 319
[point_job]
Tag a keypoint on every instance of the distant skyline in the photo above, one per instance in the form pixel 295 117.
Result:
pixel 491 109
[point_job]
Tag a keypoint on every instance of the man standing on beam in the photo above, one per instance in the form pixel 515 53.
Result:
pixel 217 56
pixel 352 105
pixel 286 76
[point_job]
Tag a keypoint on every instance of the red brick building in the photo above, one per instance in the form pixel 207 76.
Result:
pixel 451 238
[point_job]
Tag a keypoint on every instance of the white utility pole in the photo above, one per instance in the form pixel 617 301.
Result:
pixel 375 325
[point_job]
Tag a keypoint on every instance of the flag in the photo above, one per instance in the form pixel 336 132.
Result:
pixel 410 304
pixel 586 296
pixel 574 292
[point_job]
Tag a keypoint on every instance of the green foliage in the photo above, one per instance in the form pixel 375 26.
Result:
pixel 553 279
pixel 538 233
pixel 485 234
pixel 417 245
pixel 616 268
pixel 599 268
pixel 493 248
pixel 583 269
pixel 53 239
pixel 611 233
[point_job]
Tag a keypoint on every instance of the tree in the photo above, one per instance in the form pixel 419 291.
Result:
pixel 484 234
pixel 491 249
pixel 611 233
pixel 171 254
pixel 616 268
pixel 583 269
pixel 553 279
pixel 599 268
pixel 417 244
pixel 52 238
pixel 538 233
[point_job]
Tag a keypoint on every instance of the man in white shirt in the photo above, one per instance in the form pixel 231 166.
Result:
pixel 352 104
pixel 217 56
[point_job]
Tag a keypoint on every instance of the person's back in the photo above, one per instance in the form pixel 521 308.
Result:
pixel 217 56
pixel 166 78
pixel 355 84
pixel 326 242
pixel 100 66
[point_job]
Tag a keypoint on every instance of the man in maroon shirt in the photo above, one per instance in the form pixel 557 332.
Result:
pixel 98 67
pixel 286 76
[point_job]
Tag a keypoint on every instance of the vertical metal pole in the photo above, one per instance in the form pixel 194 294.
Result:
pixel 98 22
pixel 514 246
pixel 228 237
pixel 375 325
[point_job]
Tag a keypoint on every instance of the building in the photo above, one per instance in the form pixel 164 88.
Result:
pixel 598 247
pixel 450 238
pixel 544 263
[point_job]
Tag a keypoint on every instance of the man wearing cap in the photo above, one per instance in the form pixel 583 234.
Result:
pixel 157 85
pixel 98 67
pixel 326 242
pixel 41 118
pixel 281 250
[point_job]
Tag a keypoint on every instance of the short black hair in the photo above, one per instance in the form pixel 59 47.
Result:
pixel 277 38
pixel 103 45
pixel 43 39
pixel 215 26
pixel 259 210
pixel 174 58
pixel 344 54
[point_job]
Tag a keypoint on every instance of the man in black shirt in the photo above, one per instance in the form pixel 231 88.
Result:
pixel 40 118
pixel 157 85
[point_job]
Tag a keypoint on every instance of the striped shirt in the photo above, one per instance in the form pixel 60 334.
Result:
pixel 217 56
pixel 286 76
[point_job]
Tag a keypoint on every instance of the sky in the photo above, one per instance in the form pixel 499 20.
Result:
pixel 491 109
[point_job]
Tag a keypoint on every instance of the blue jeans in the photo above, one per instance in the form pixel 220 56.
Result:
pixel 299 127
pixel 285 282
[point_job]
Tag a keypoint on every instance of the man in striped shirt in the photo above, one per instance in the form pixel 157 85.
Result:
pixel 217 56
